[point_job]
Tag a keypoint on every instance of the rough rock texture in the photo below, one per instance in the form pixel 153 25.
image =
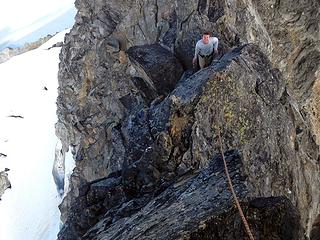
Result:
pixel 137 124
pixel 202 210
pixel 202 207
pixel 4 182
pixel 315 232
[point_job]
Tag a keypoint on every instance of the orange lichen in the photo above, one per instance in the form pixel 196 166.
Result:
pixel 313 107
pixel 89 77
pixel 178 124
pixel 122 57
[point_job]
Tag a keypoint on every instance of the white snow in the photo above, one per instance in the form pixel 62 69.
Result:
pixel 17 14
pixel 30 209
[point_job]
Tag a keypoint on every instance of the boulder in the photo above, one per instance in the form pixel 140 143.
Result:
pixel 157 66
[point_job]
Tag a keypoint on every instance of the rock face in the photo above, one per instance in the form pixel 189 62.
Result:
pixel 4 182
pixel 143 127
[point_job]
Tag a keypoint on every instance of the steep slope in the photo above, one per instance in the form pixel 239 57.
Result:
pixel 136 124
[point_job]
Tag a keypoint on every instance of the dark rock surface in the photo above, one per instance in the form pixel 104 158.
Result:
pixel 315 232
pixel 203 210
pixel 159 68
pixel 201 204
pixel 137 129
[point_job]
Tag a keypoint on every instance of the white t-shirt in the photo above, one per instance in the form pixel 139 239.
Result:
pixel 206 49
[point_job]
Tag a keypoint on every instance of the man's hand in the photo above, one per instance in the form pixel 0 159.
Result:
pixel 215 53
pixel 194 61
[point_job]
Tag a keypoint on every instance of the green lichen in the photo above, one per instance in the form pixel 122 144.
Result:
pixel 226 95
pixel 229 112
pixel 243 126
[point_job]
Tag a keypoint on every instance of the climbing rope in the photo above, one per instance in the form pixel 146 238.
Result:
pixel 244 220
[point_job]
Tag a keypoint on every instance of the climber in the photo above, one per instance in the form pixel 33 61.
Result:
pixel 206 49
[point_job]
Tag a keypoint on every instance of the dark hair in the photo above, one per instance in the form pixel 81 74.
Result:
pixel 206 33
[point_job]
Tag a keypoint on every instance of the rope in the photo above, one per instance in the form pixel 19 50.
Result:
pixel 244 220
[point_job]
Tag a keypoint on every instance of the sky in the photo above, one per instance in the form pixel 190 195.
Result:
pixel 32 19
pixel 29 210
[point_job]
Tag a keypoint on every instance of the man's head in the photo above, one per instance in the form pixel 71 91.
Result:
pixel 206 37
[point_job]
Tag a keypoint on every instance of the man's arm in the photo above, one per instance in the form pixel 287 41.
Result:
pixel 215 46
pixel 196 51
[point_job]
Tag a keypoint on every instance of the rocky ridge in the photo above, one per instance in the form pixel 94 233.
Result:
pixel 8 53
pixel 143 128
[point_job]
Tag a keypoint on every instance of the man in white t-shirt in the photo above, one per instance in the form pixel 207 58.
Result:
pixel 205 48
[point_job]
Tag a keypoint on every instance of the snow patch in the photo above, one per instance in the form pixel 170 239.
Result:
pixel 30 209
